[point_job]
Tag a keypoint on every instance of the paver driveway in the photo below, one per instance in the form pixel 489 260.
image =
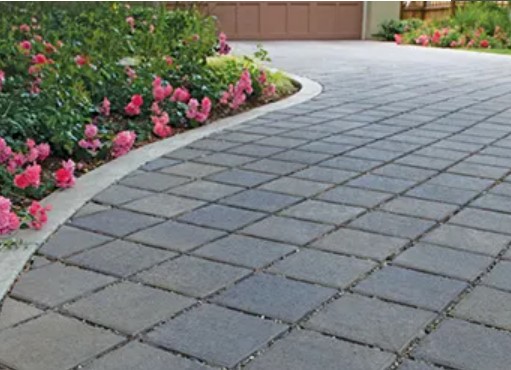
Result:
pixel 366 229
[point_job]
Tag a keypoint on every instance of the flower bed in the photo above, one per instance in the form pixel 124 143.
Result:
pixel 478 25
pixel 77 90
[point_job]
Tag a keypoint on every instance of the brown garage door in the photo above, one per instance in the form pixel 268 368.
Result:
pixel 275 20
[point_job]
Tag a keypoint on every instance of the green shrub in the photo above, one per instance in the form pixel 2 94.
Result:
pixel 485 14
pixel 397 27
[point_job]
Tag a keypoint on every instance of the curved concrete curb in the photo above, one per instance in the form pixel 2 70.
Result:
pixel 66 203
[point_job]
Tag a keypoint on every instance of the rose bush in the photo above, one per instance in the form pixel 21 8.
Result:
pixel 78 89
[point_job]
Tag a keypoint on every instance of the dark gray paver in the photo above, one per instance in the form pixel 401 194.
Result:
pixel 53 342
pixel 68 240
pixel 323 268
pixel 323 174
pixel 128 307
pixel 416 365
pixel 420 208
pixel 307 350
pixel 214 145
pixel 275 297
pixel 54 284
pixel 287 230
pixel 461 182
pixel 120 258
pixel 392 224
pixel 292 186
pixel 424 162
pixel 411 287
pixel 242 177
pixel 187 153
pixel 163 205
pixel 159 164
pixel 225 159
pixel 326 212
pixel 154 181
pixel 482 219
pixel 487 306
pixel 274 166
pixel 500 276
pixel 176 236
pixel 352 164
pixel 404 172
pixel 261 200
pixel 256 150
pixel 191 169
pixel 139 356
pixel 360 243
pixel 442 193
pixel 444 261
pixel 116 222
pixel 355 196
pixel 192 276
pixel 479 170
pixel 368 320
pixel 14 312
pixel 206 190
pixel 467 239
pixel 119 194
pixel 301 156
pixel 382 183
pixel 463 345
pixel 222 217
pixel 216 335
pixel 90 208
pixel 245 251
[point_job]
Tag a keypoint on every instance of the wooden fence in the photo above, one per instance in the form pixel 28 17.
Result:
pixel 434 9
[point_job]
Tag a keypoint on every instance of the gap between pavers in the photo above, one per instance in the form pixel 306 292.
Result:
pixel 66 203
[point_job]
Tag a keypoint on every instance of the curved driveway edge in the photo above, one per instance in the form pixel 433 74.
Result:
pixel 66 203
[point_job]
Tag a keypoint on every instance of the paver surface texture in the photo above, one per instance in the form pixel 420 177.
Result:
pixel 366 229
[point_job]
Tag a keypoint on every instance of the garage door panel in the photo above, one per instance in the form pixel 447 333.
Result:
pixel 289 20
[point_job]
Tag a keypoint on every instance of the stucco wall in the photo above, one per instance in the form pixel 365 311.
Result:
pixel 377 12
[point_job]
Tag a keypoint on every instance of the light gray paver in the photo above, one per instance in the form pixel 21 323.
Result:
pixel 14 312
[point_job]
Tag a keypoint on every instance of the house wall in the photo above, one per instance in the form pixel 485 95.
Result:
pixel 377 12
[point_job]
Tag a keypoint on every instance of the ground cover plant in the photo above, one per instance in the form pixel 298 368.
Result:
pixel 78 88
pixel 478 25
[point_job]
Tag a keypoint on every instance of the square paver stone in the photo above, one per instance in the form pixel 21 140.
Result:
pixel 275 296
pixel 13 312
pixel 404 172
pixel 192 276
pixel 461 182
pixel 116 222
pixel 361 244
pixel 355 196
pixel 353 164
pixel 53 342
pixel 129 307
pixel 225 159
pixel 119 194
pixel 206 190
pixel 382 183
pixel 274 166
pixel 463 345
pixel 307 350
pixel 486 220
pixel 193 170
pixel 287 230
pixel 120 258
pixel 500 276
pixel 222 217
pixel 442 193
pixel 216 335
pixel 372 321
pixel 486 306
pixel 326 212
pixel 420 208
pixel 68 240
pixel 411 287
pixel 245 251
pixel 323 174
pixel 479 170
pixel 90 208
pixel 139 356
pixel 54 284
pixel 159 163
pixel 392 224
pixel 493 202
pixel 154 181
pixel 261 200
pixel 444 261
pixel 323 268
pixel 176 236
pixel 163 205
pixel 468 239
pixel 289 185
pixel 241 177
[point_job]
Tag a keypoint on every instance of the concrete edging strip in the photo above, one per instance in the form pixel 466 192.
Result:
pixel 66 203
